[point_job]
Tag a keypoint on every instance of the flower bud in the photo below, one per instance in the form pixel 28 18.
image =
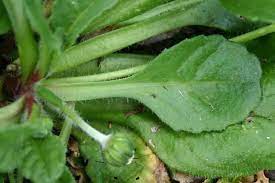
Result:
pixel 119 150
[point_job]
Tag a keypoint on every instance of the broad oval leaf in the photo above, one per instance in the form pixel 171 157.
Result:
pixel 240 150
pixel 44 159
pixel 210 83
pixel 142 169
pixel 201 84
pixel 255 10
pixel 267 105
pixel 13 139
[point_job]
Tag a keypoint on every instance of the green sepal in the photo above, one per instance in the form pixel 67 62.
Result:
pixel 143 168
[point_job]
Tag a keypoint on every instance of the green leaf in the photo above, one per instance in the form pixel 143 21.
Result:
pixel 239 150
pixel 109 63
pixel 25 39
pixel 208 13
pixel 64 13
pixel 66 177
pixel 121 61
pixel 74 17
pixel 201 84
pixel 34 10
pixel 4 20
pixel 44 159
pixel 11 112
pixel 143 166
pixel 13 139
pixel 267 105
pixel 48 43
pixel 123 10
pixel 162 9
pixel 42 126
pixel 81 14
pixel 253 9
pixel 109 105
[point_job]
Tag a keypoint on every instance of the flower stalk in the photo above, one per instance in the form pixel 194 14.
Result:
pixel 254 34
pixel 118 150
pixel 71 114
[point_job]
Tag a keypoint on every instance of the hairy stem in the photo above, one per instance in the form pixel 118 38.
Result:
pixel 71 114
pixel 92 90
pixel 96 135
pixel 109 63
pixel 98 77
pixel 66 131
pixel 254 34
pixel 66 128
